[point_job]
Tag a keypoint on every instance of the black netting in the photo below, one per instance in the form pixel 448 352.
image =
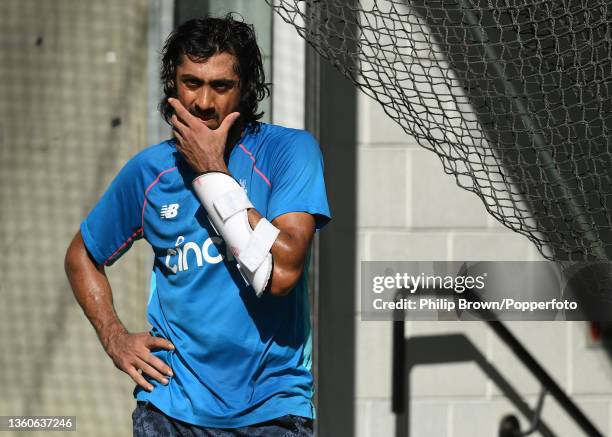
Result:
pixel 514 97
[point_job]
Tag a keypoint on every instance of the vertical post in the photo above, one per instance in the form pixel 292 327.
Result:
pixel 399 375
pixel 187 9
pixel 331 116
pixel 161 23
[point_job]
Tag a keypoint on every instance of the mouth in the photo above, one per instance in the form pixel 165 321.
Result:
pixel 211 122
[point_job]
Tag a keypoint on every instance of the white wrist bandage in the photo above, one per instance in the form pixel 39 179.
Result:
pixel 226 204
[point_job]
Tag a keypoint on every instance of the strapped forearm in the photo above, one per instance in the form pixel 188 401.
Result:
pixel 226 204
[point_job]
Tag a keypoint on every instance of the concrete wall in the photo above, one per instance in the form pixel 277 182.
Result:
pixel 409 209
pixel 73 110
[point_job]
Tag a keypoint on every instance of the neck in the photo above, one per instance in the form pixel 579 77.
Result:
pixel 233 137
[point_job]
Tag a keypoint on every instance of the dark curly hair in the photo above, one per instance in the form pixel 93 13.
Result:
pixel 202 38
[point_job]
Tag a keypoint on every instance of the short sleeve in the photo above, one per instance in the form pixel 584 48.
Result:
pixel 115 222
pixel 297 179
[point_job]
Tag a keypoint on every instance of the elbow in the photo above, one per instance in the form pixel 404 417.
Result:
pixel 69 260
pixel 283 281
pixel 280 291
pixel 77 258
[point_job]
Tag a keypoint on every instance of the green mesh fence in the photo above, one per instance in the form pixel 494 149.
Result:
pixel 73 109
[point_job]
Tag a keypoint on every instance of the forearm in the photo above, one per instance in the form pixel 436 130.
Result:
pixel 272 254
pixel 288 263
pixel 92 291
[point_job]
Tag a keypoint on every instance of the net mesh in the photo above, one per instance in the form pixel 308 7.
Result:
pixel 73 110
pixel 514 97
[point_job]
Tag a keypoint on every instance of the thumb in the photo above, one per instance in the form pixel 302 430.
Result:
pixel 228 121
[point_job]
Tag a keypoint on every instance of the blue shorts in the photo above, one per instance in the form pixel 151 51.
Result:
pixel 148 421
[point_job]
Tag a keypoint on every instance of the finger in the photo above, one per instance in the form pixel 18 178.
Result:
pixel 181 111
pixel 159 365
pixel 151 371
pixel 139 379
pixel 159 343
pixel 228 121
pixel 178 124
pixel 179 138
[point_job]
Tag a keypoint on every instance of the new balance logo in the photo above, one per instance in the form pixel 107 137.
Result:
pixel 169 211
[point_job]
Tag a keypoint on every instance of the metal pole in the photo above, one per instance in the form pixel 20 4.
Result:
pixel 538 371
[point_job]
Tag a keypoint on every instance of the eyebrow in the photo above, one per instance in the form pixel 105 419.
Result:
pixel 227 82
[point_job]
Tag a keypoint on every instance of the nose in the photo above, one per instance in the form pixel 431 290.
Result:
pixel 205 100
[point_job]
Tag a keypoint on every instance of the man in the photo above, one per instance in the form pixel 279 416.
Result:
pixel 229 207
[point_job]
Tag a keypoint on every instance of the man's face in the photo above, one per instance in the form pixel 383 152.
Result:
pixel 210 90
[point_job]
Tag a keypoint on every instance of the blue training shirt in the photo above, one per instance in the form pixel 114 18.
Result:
pixel 239 359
